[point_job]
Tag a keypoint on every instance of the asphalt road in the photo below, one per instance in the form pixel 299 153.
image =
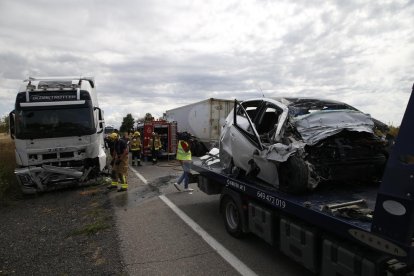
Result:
pixel 156 241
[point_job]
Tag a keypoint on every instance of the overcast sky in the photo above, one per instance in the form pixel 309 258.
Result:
pixel 155 55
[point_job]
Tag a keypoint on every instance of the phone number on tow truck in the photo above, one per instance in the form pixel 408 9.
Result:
pixel 261 195
pixel 271 199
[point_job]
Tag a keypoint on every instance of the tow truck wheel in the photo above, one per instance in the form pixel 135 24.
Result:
pixel 232 217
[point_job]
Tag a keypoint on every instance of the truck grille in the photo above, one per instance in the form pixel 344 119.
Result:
pixel 49 156
pixel 66 155
pixel 56 157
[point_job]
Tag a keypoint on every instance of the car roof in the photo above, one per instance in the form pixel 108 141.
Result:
pixel 305 101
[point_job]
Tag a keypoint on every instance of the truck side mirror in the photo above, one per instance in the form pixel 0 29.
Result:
pixel 101 121
pixel 11 124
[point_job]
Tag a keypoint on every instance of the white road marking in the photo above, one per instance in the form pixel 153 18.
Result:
pixel 223 252
pixel 139 175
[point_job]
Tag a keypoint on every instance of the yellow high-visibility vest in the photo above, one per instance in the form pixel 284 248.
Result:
pixel 181 154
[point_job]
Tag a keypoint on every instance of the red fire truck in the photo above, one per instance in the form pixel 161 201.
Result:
pixel 167 132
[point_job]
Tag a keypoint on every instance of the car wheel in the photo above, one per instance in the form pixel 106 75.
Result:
pixel 293 175
pixel 232 217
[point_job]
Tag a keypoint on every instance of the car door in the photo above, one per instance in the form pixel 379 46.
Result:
pixel 266 125
pixel 239 139
pixel 250 152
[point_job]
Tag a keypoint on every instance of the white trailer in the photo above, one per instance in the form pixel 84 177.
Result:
pixel 57 127
pixel 202 119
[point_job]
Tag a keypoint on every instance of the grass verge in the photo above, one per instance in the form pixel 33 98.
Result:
pixel 9 189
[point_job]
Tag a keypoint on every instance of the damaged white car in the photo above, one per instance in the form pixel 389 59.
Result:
pixel 296 143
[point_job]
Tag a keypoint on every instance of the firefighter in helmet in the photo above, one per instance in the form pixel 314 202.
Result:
pixel 120 167
pixel 154 145
pixel 110 142
pixel 135 148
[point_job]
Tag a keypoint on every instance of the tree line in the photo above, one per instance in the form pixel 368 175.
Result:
pixel 128 122
pixel 4 124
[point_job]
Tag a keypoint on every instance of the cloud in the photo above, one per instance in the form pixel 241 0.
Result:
pixel 151 56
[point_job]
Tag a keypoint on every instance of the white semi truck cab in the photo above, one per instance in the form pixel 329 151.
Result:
pixel 57 127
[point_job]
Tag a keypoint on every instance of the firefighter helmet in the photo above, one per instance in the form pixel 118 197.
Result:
pixel 136 133
pixel 113 136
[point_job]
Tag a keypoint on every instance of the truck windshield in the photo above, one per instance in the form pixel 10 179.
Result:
pixel 50 123
pixel 109 130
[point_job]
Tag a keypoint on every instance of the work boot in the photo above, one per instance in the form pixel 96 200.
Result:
pixel 110 187
pixel 122 189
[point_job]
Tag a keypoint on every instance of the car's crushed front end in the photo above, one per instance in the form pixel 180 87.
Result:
pixel 341 145
pixel 312 141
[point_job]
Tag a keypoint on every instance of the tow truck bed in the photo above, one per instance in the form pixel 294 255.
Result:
pixel 308 207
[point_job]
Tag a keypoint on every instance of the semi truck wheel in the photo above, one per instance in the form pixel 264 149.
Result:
pixel 232 217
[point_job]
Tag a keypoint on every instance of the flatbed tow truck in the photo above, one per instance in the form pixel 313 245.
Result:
pixel 334 230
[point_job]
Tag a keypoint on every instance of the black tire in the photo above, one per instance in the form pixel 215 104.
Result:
pixel 200 149
pixel 293 175
pixel 197 149
pixel 232 216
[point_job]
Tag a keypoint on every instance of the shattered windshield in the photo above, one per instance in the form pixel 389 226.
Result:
pixel 49 123
pixel 304 107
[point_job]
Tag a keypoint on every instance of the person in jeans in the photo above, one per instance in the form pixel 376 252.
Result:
pixel 184 157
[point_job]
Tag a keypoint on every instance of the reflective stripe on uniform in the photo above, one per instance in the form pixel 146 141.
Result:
pixel 156 144
pixel 135 147
pixel 124 186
